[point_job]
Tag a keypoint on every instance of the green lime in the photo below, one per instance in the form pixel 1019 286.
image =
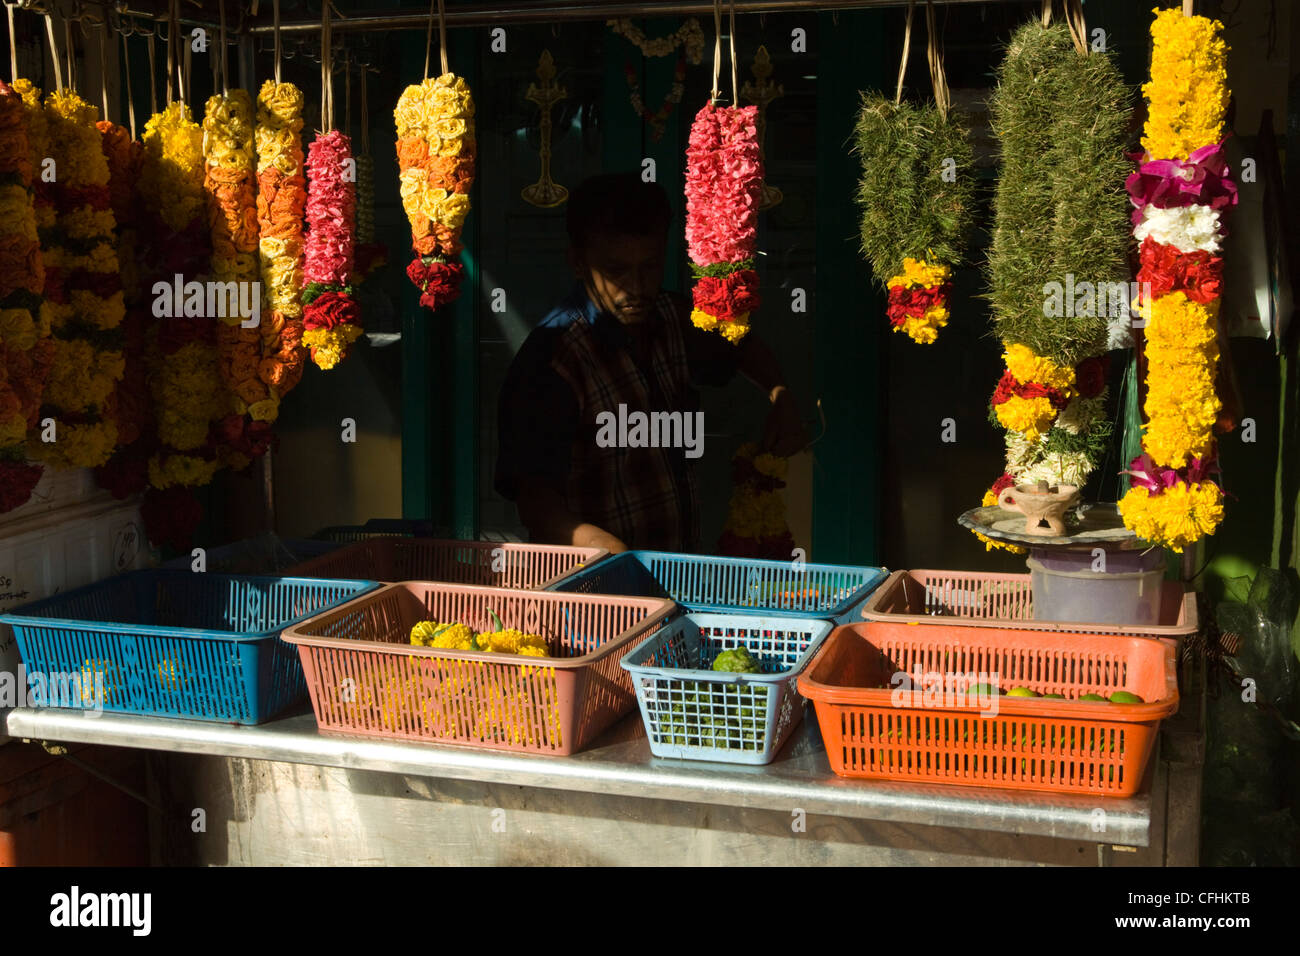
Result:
pixel 1093 697
pixel 982 690
pixel 1055 696
pixel 1124 697
pixel 1022 692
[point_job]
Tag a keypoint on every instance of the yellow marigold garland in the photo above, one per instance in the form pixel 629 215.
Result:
pixel 88 359
pixel 1188 92
pixel 918 300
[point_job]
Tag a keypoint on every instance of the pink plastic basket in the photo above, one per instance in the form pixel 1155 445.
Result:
pixel 365 678
pixel 501 564
pixel 979 599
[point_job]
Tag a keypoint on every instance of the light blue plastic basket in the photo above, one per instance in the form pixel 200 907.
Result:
pixel 694 712
pixel 731 585
pixel 169 643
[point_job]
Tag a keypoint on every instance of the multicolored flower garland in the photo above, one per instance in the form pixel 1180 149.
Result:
pixel 756 525
pixel 281 203
pixel 1179 193
pixel 230 181
pixel 331 315
pixel 724 185
pixel 86 301
pixel 26 351
pixel 915 196
pixel 436 152
pixel 370 255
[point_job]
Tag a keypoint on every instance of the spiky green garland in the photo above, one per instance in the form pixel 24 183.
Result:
pixel 908 207
pixel 1060 208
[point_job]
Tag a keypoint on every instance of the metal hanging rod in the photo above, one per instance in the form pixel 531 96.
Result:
pixel 481 14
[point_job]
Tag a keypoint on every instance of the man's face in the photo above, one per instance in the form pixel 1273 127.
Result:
pixel 623 273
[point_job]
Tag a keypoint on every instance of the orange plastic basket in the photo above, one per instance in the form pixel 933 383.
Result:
pixel 883 715
pixel 502 564
pixel 980 599
pixel 365 678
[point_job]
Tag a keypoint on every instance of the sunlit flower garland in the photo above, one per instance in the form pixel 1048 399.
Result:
pixel 86 302
pixel 184 377
pixel 230 182
pixel 436 152
pixel 26 350
pixel 331 315
pixel 724 185
pixel 281 203
pixel 1179 193
pixel 918 300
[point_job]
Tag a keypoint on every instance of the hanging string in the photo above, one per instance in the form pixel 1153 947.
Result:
pixel 275 27
pixel 225 82
pixel 1047 13
pixel 54 53
pixel 130 99
pixel 1187 8
pixel 934 53
pixel 717 48
pixel 735 90
pixel 153 85
pixel 907 50
pixel 171 52
pixel 347 92
pixel 72 57
pixel 1078 29
pixel 103 66
pixel 13 47
pixel 365 115
pixel 326 86
pixel 442 35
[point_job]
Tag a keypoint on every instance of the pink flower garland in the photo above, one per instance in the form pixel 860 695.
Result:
pixel 331 317
pixel 724 184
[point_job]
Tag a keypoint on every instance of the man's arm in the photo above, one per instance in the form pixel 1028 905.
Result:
pixel 784 433
pixel 549 520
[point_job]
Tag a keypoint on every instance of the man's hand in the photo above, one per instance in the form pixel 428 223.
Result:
pixel 543 512
pixel 784 433
pixel 590 536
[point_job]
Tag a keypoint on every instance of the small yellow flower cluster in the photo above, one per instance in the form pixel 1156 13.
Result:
pixel 733 331
pixel 922 328
pixel 1188 90
pixel 991 499
pixel 330 346
pixel 1182 354
pixel 171 177
pixel 1032 417
pixel 1026 366
pixel 1177 517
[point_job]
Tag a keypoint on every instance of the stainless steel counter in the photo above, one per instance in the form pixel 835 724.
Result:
pixel 621 766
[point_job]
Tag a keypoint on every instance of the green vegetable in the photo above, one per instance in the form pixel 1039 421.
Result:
pixel 738 660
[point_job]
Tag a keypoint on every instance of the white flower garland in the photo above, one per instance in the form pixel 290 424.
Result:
pixel 689 35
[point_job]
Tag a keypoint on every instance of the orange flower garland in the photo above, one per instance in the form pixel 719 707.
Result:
pixel 229 181
pixel 281 202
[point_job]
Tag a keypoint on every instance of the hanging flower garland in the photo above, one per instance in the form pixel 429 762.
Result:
pixel 26 351
pixel 331 315
pixel 371 256
pixel 724 185
pixel 1180 192
pixel 659 117
pixel 281 203
pixel 435 155
pixel 1061 116
pixel 230 183
pixel 85 299
pixel 756 525
pixel 915 194
pixel 689 36
pixel 186 387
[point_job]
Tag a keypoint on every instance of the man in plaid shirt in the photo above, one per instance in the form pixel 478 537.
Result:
pixel 617 345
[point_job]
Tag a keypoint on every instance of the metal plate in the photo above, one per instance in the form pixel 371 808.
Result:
pixel 1100 524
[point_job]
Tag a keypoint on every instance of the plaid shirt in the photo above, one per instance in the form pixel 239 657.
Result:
pixel 578 363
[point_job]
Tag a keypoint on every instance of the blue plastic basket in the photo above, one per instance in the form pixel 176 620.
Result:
pixel 692 711
pixel 731 585
pixel 169 643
